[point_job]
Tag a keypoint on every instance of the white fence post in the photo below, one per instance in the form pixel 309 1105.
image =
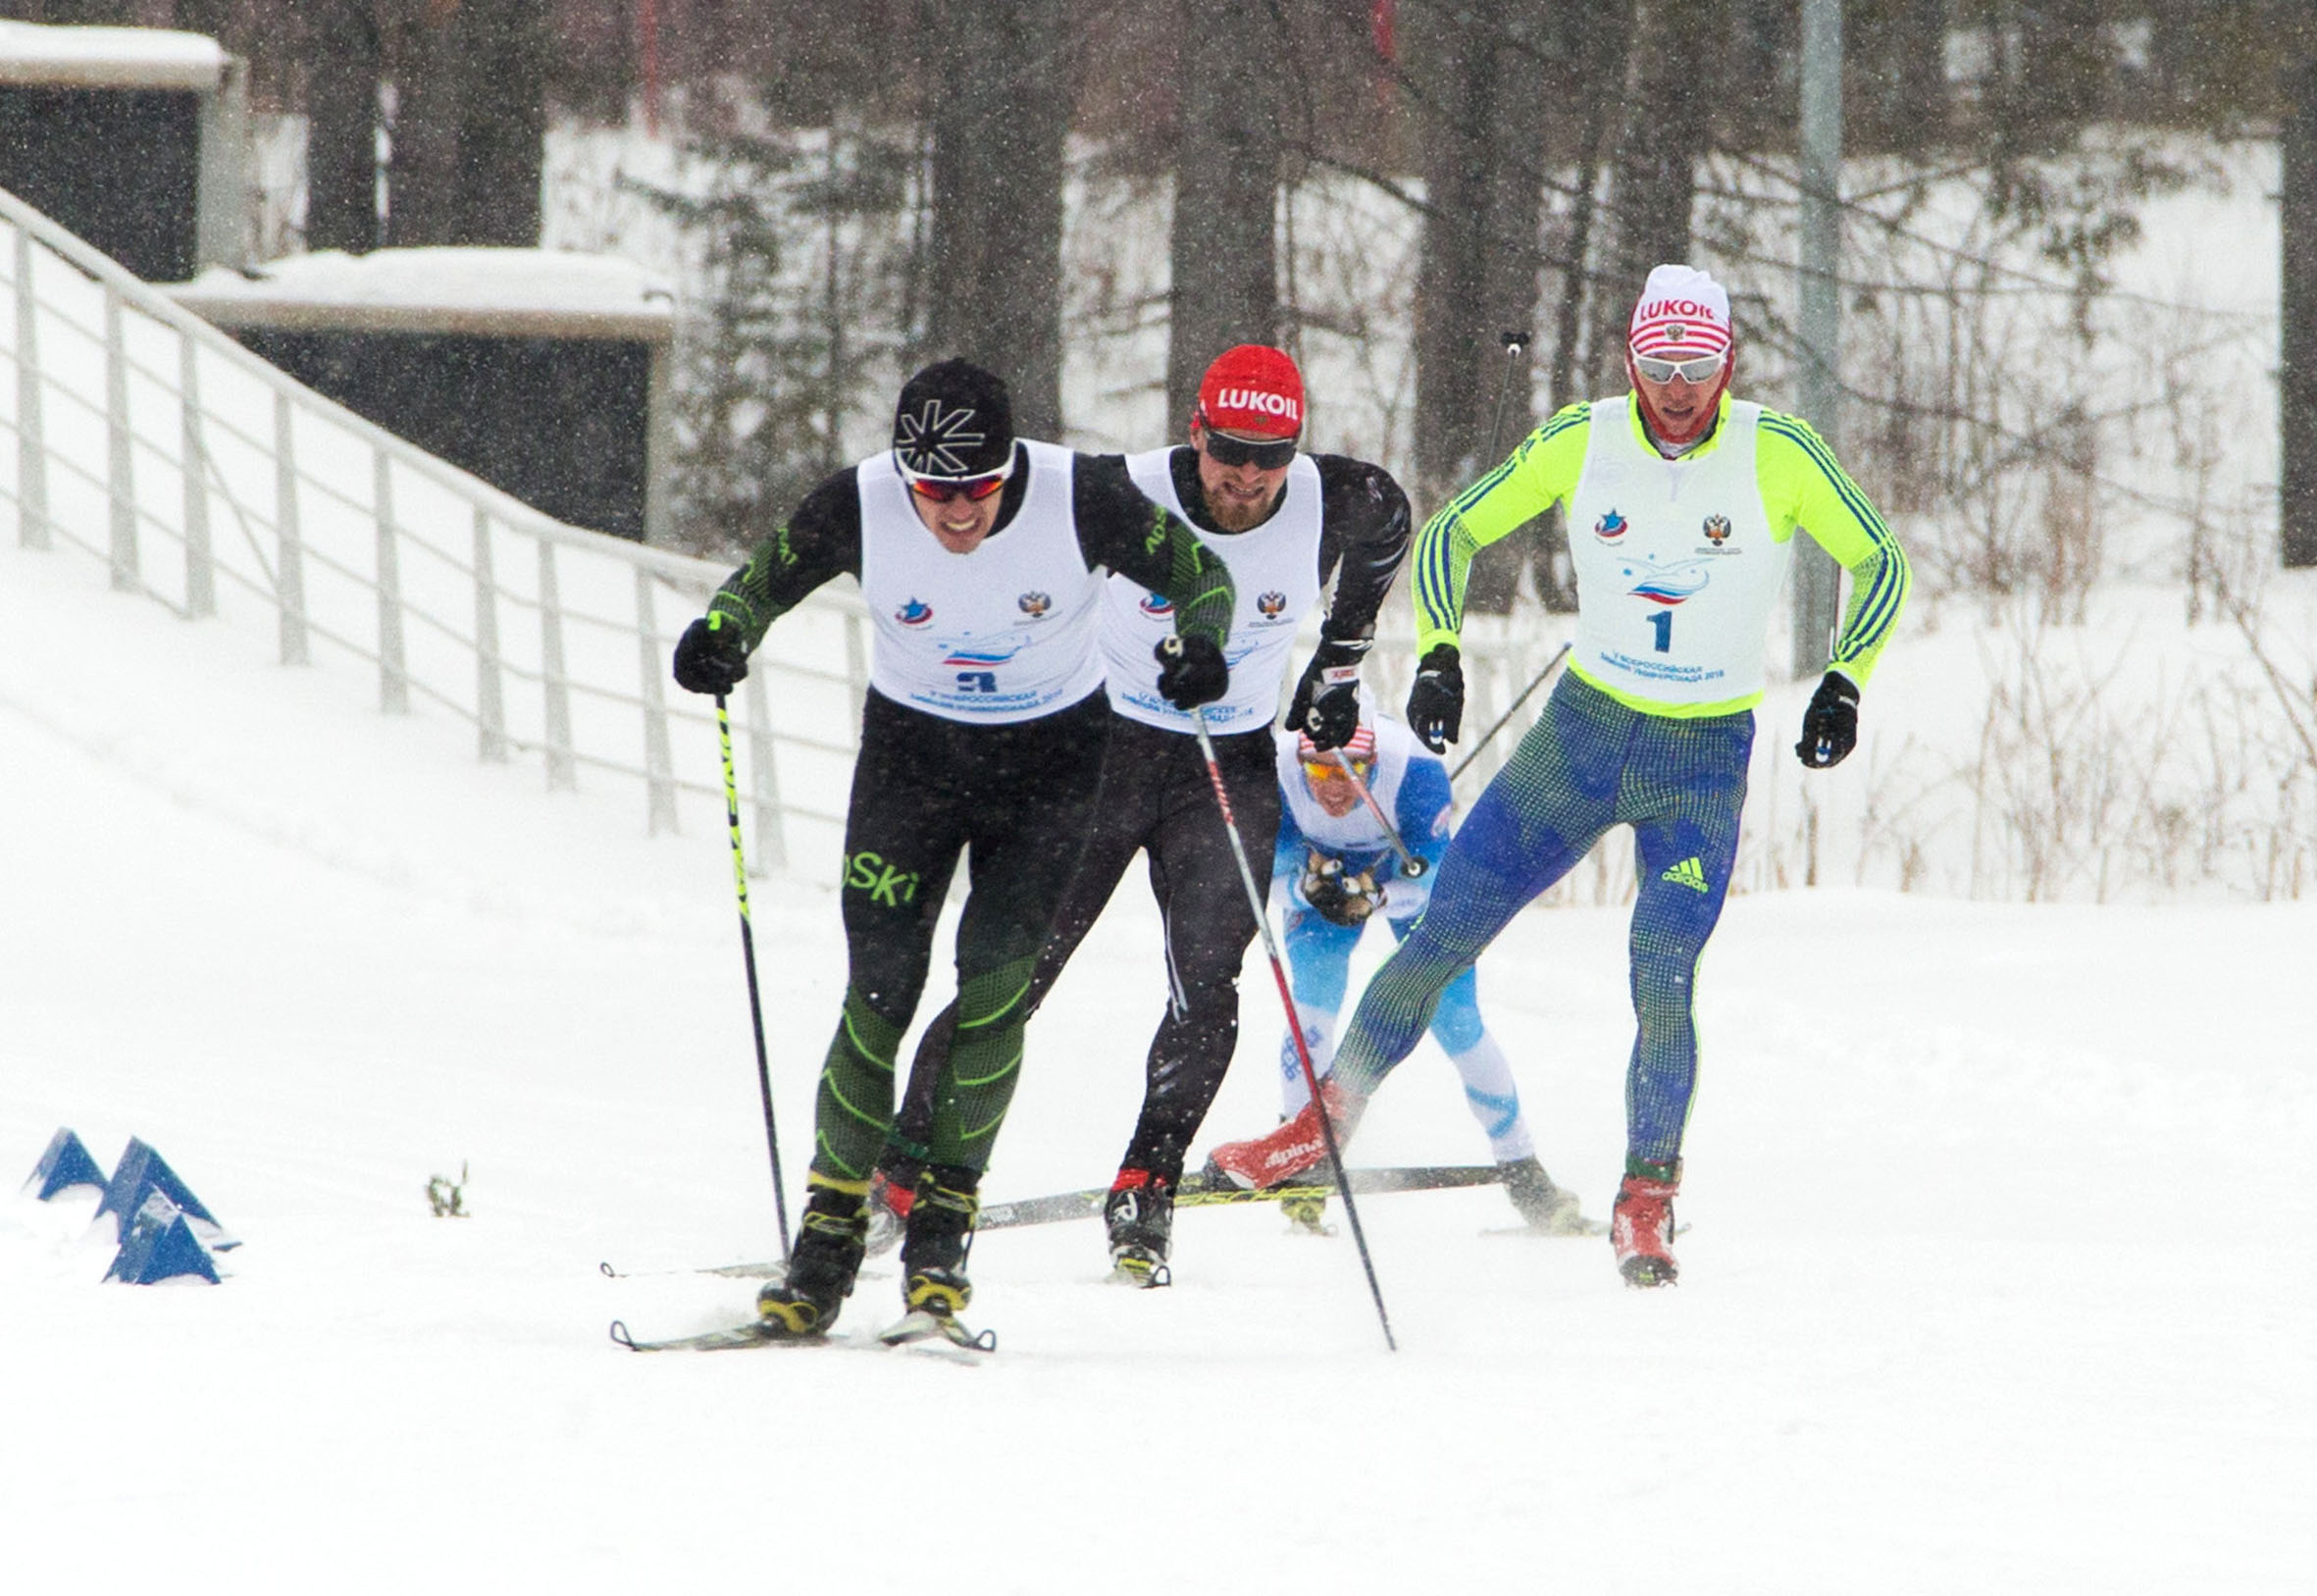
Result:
pixel 120 476
pixel 193 459
pixel 315 503
pixel 490 707
pixel 32 452
pixel 659 764
pixel 562 767
pixel 290 562
pixel 765 786
pixel 394 669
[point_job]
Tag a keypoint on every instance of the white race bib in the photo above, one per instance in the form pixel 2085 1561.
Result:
pixel 1275 568
pixel 1004 634
pixel 1675 563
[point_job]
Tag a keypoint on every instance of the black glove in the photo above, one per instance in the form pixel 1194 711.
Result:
pixel 1436 704
pixel 1830 725
pixel 1339 897
pixel 1326 703
pixel 1191 670
pixel 710 656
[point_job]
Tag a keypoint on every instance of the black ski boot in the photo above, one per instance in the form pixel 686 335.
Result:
pixel 1549 1209
pixel 830 1241
pixel 938 1238
pixel 1138 1214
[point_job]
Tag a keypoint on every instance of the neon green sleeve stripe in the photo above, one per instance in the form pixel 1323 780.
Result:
pixel 1538 474
pixel 1803 485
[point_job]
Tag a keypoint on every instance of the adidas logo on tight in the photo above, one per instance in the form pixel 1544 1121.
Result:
pixel 1689 873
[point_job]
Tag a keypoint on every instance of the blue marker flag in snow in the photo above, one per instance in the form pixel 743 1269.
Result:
pixel 161 1246
pixel 140 1173
pixel 65 1165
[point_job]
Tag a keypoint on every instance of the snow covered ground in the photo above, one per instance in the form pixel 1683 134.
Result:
pixel 1997 1279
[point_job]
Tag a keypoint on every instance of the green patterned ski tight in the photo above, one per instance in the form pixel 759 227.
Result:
pixel 1014 800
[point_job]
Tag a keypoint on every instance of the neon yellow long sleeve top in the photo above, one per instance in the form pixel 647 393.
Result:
pixel 1802 488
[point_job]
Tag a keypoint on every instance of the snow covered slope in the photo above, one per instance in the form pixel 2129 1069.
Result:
pixel 1998 1277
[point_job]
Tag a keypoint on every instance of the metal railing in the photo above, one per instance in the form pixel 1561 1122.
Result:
pixel 214 484
pixel 218 480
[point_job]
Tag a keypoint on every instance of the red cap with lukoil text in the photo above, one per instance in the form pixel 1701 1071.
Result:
pixel 1254 391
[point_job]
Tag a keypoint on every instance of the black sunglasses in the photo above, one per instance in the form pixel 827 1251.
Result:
pixel 1226 450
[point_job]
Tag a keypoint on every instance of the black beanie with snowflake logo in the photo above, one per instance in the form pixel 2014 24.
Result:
pixel 953 420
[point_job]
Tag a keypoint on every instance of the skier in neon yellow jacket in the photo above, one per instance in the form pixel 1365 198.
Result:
pixel 1682 504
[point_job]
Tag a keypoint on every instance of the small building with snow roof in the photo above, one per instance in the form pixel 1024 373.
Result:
pixel 131 137
pixel 543 372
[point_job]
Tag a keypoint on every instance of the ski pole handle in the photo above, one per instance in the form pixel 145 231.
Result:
pixel 1514 343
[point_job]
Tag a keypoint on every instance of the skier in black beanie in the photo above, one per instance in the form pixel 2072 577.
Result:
pixel 982 557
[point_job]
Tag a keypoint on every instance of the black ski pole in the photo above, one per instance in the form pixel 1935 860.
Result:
pixel 739 880
pixel 1514 343
pixel 1410 865
pixel 1536 681
pixel 1295 1024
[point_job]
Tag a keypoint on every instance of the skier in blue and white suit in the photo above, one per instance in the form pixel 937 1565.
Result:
pixel 1332 870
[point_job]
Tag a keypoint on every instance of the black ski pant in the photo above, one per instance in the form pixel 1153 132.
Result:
pixel 1015 801
pixel 1156 798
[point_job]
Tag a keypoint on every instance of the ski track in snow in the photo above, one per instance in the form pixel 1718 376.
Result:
pixel 1995 1279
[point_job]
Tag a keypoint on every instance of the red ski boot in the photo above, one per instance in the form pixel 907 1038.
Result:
pixel 1296 1145
pixel 1641 1228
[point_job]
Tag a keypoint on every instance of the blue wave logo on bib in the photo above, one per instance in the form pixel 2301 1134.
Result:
pixel 982 654
pixel 1668 584
pixel 916 612
pixel 1154 605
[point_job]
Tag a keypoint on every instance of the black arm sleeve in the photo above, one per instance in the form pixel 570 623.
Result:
pixel 1365 528
pixel 1122 530
pixel 821 540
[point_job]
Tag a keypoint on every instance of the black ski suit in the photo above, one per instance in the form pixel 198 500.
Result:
pixel 1157 799
pixel 1016 798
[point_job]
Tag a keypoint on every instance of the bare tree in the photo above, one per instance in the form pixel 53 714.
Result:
pixel 2297 357
pixel 1666 132
pixel 470 122
pixel 344 65
pixel 1477 78
pixel 1001 80
pixel 1226 287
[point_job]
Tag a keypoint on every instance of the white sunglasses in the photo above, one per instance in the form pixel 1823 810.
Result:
pixel 1692 371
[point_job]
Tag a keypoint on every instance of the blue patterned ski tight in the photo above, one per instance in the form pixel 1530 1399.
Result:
pixel 1587 764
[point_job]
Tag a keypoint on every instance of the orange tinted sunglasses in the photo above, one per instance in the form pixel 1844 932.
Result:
pixel 941 493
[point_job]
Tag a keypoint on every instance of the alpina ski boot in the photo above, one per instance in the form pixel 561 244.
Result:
pixel 830 1242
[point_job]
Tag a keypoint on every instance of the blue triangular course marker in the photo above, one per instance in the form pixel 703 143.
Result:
pixel 161 1246
pixel 65 1165
pixel 142 1172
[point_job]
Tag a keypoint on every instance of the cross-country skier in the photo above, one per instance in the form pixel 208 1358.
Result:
pixel 1682 503
pixel 982 559
pixel 1334 871
pixel 1283 522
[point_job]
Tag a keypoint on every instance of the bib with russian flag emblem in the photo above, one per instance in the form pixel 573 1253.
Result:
pixel 1275 569
pixel 1676 566
pixel 1004 634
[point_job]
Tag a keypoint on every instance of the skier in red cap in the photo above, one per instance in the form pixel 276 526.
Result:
pixel 1283 522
